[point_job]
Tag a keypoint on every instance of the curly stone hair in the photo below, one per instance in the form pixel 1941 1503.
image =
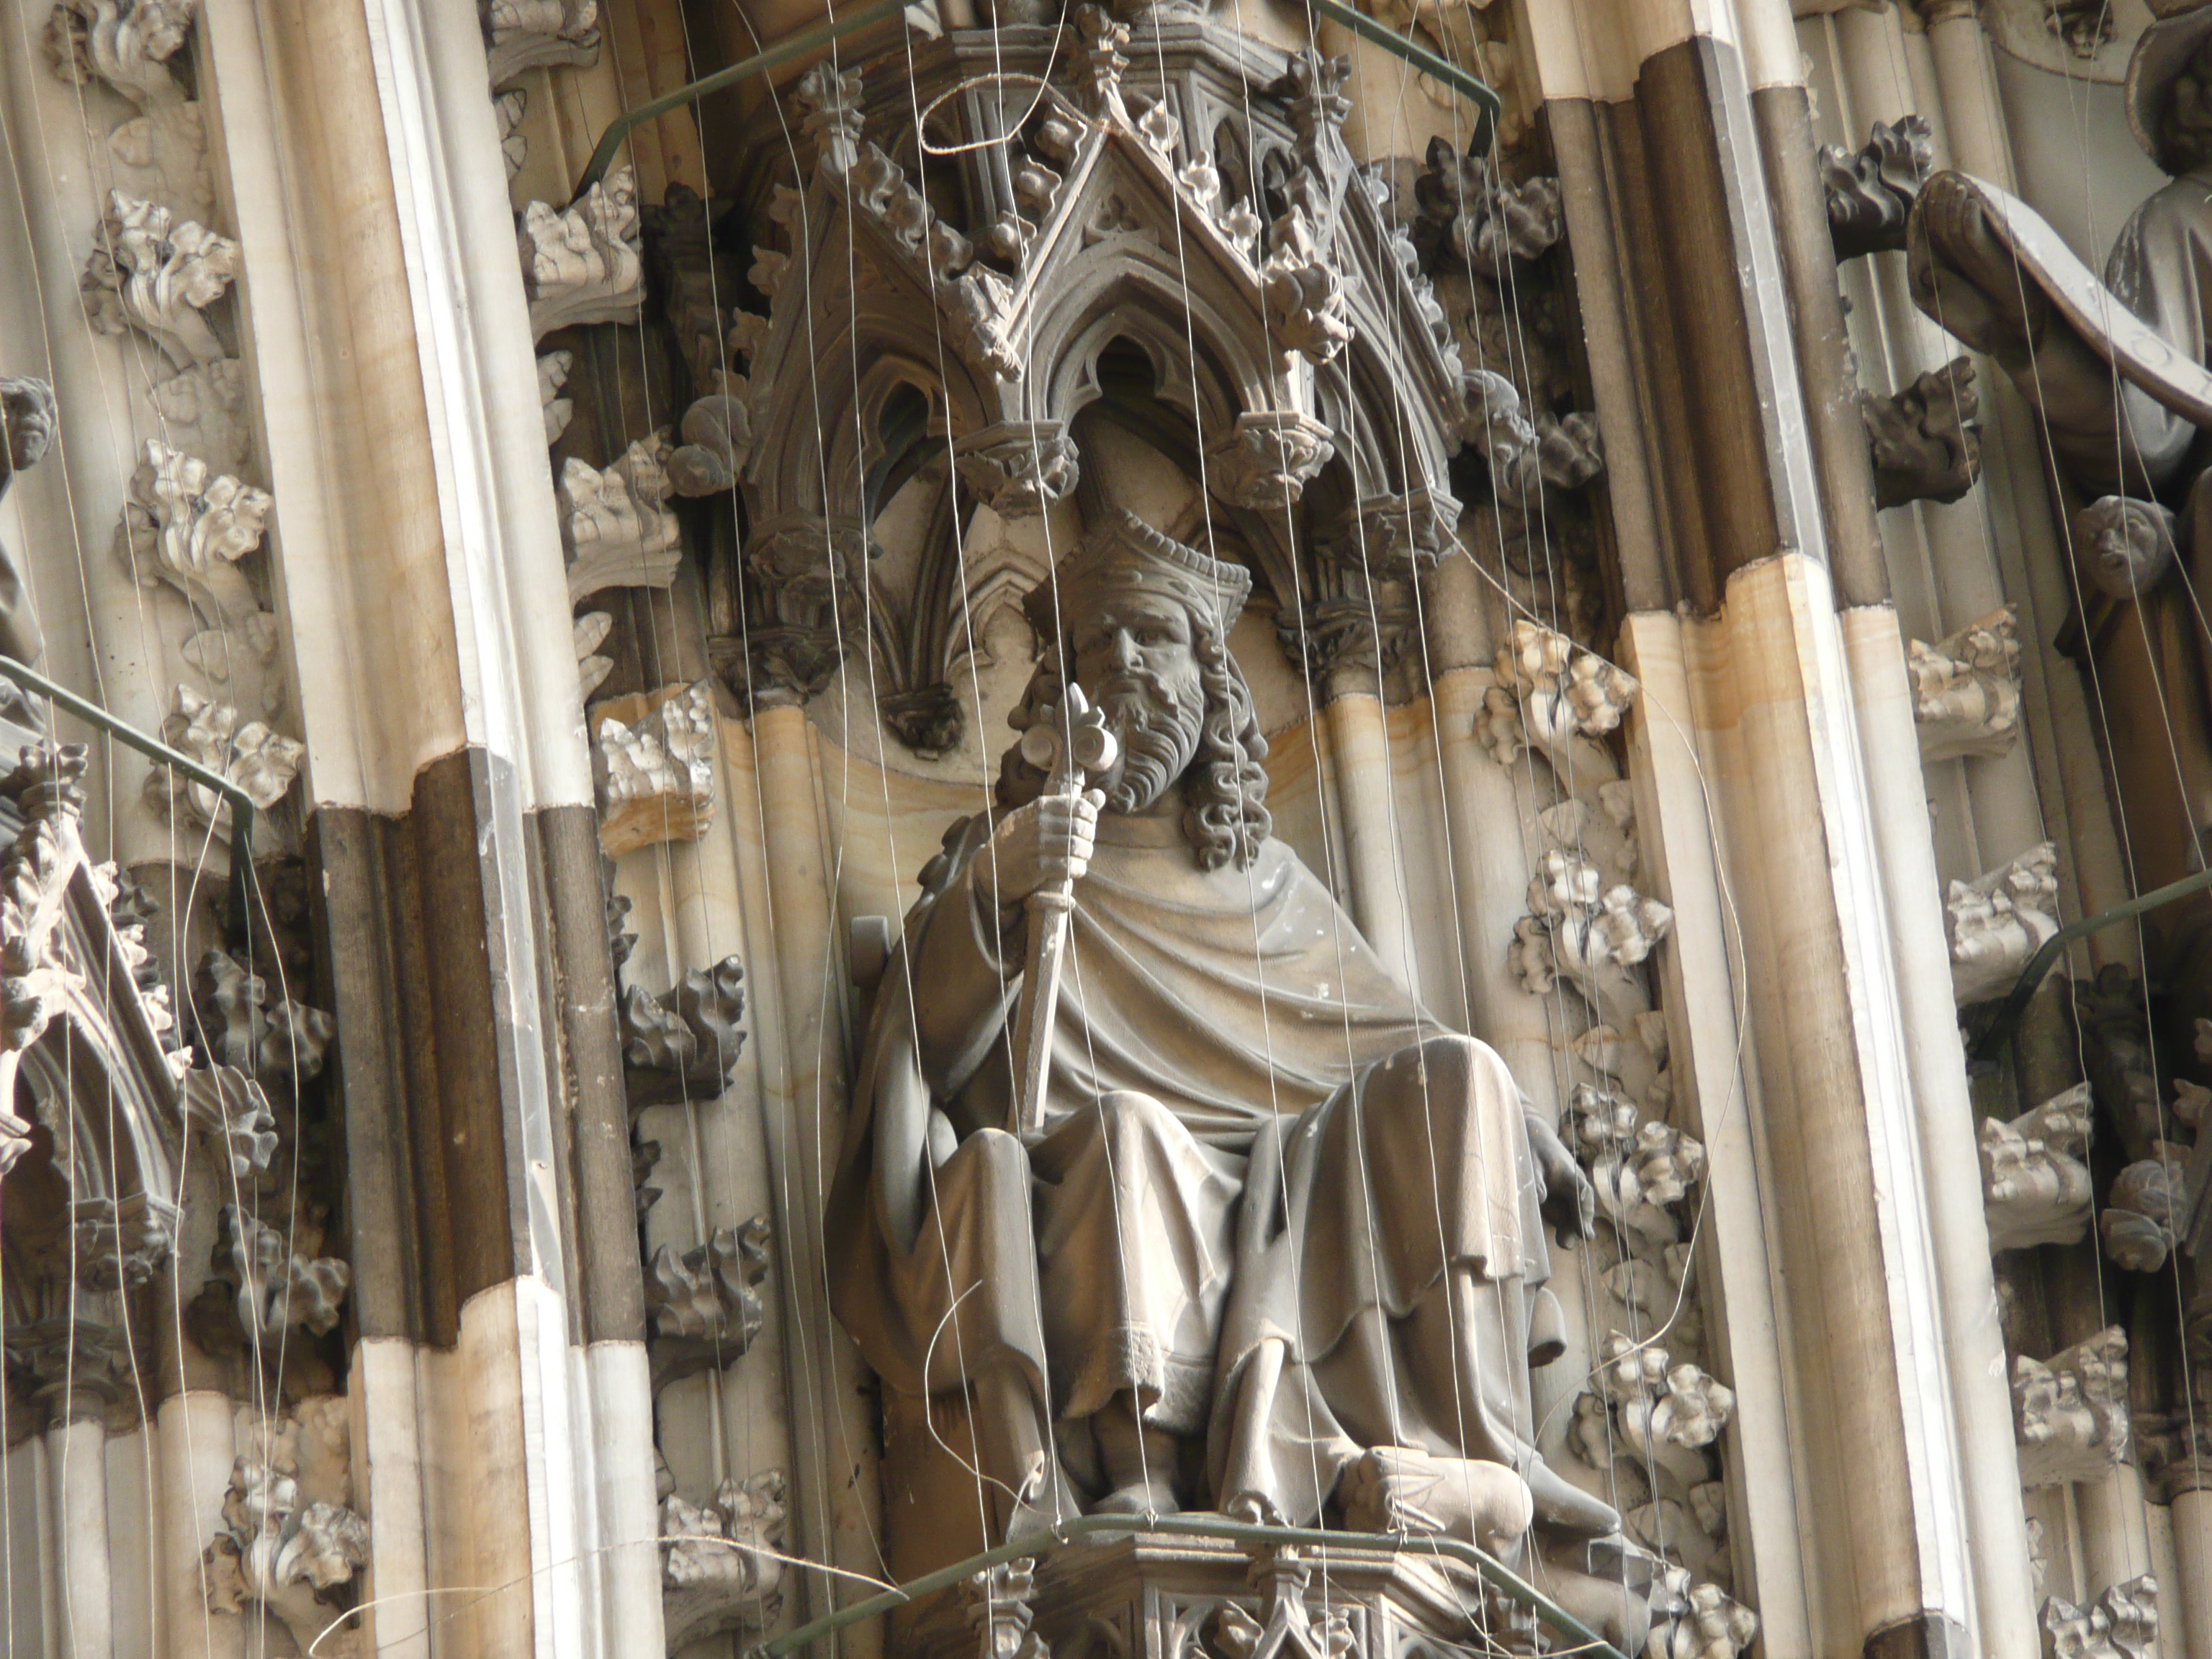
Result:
pixel 1225 816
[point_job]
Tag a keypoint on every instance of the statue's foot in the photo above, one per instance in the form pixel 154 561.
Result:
pixel 1139 1498
pixel 1398 1489
pixel 1562 1507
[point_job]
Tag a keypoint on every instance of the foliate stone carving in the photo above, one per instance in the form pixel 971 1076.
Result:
pixel 1701 1622
pixel 718 440
pixel 720 1563
pixel 2125 546
pixel 1997 921
pixel 553 371
pixel 1925 441
pixel 1871 190
pixel 1549 692
pixel 250 753
pixel 282 1047
pixel 126 43
pixel 1966 688
pixel 2112 1013
pixel 656 775
pixel 581 264
pixel 1643 1170
pixel 830 99
pixel 201 411
pixel 2035 1187
pixel 70 1369
pixel 803 585
pixel 1306 310
pixel 705 1303
pixel 2143 1213
pixel 121 1243
pixel 188 526
pixel 999 1604
pixel 230 1106
pixel 1266 463
pixel 681 1046
pixel 2121 1624
pixel 528 34
pixel 1395 535
pixel 514 143
pixel 1018 468
pixel 927 719
pixel 2070 1413
pixel 590 632
pixel 35 974
pixel 1578 926
pixel 1472 219
pixel 2175 1450
pixel 298 1559
pixel 158 275
pixel 615 525
pixel 275 1289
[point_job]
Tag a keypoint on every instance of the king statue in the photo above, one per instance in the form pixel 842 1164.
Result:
pixel 1273 1244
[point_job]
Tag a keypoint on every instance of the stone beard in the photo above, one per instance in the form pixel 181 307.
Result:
pixel 1279 1221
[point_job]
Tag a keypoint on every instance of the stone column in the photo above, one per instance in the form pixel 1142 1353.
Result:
pixel 1764 710
pixel 2192 1556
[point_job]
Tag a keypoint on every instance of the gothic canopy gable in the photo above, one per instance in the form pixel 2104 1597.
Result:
pixel 1283 304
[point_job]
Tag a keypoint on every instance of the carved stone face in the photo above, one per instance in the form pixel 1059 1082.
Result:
pixel 1133 656
pixel 27 425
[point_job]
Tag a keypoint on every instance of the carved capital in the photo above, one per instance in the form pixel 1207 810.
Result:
pixel 1266 463
pixel 1395 535
pixel 802 594
pixel 1870 191
pixel 1018 468
pixel 656 774
pixel 1997 921
pixel 582 264
pixel 72 1370
pixel 927 720
pixel 118 1244
pixel 2070 1413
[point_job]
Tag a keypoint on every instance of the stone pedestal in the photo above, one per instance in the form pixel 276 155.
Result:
pixel 1154 1597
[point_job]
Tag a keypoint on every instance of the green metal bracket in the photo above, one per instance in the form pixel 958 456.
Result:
pixel 1587 1641
pixel 1479 92
pixel 781 53
pixel 1484 97
pixel 241 804
pixel 1992 1037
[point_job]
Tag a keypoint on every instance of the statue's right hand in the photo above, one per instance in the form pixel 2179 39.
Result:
pixel 1040 845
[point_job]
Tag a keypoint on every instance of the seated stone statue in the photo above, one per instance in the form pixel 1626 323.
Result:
pixel 1276 1246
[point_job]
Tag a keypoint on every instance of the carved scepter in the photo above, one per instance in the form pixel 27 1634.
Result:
pixel 1070 745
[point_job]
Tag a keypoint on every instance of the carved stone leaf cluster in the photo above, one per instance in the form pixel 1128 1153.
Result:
pixel 1966 688
pixel 1926 440
pixel 2070 1413
pixel 680 1046
pixel 582 264
pixel 2035 1186
pixel 615 525
pixel 1870 191
pixel 1997 921
pixel 290 1539
pixel 526 34
pixel 720 1568
pixel 159 274
pixel 2120 1624
pixel 656 774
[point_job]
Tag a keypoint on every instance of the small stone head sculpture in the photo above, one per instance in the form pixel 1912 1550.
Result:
pixel 26 424
pixel 2125 546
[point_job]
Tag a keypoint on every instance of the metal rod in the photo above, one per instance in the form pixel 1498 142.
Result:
pixel 241 804
pixel 783 52
pixel 1199 1526
pixel 1480 94
pixel 2007 1017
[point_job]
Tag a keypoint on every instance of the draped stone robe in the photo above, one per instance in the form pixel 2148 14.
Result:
pixel 1254 1136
